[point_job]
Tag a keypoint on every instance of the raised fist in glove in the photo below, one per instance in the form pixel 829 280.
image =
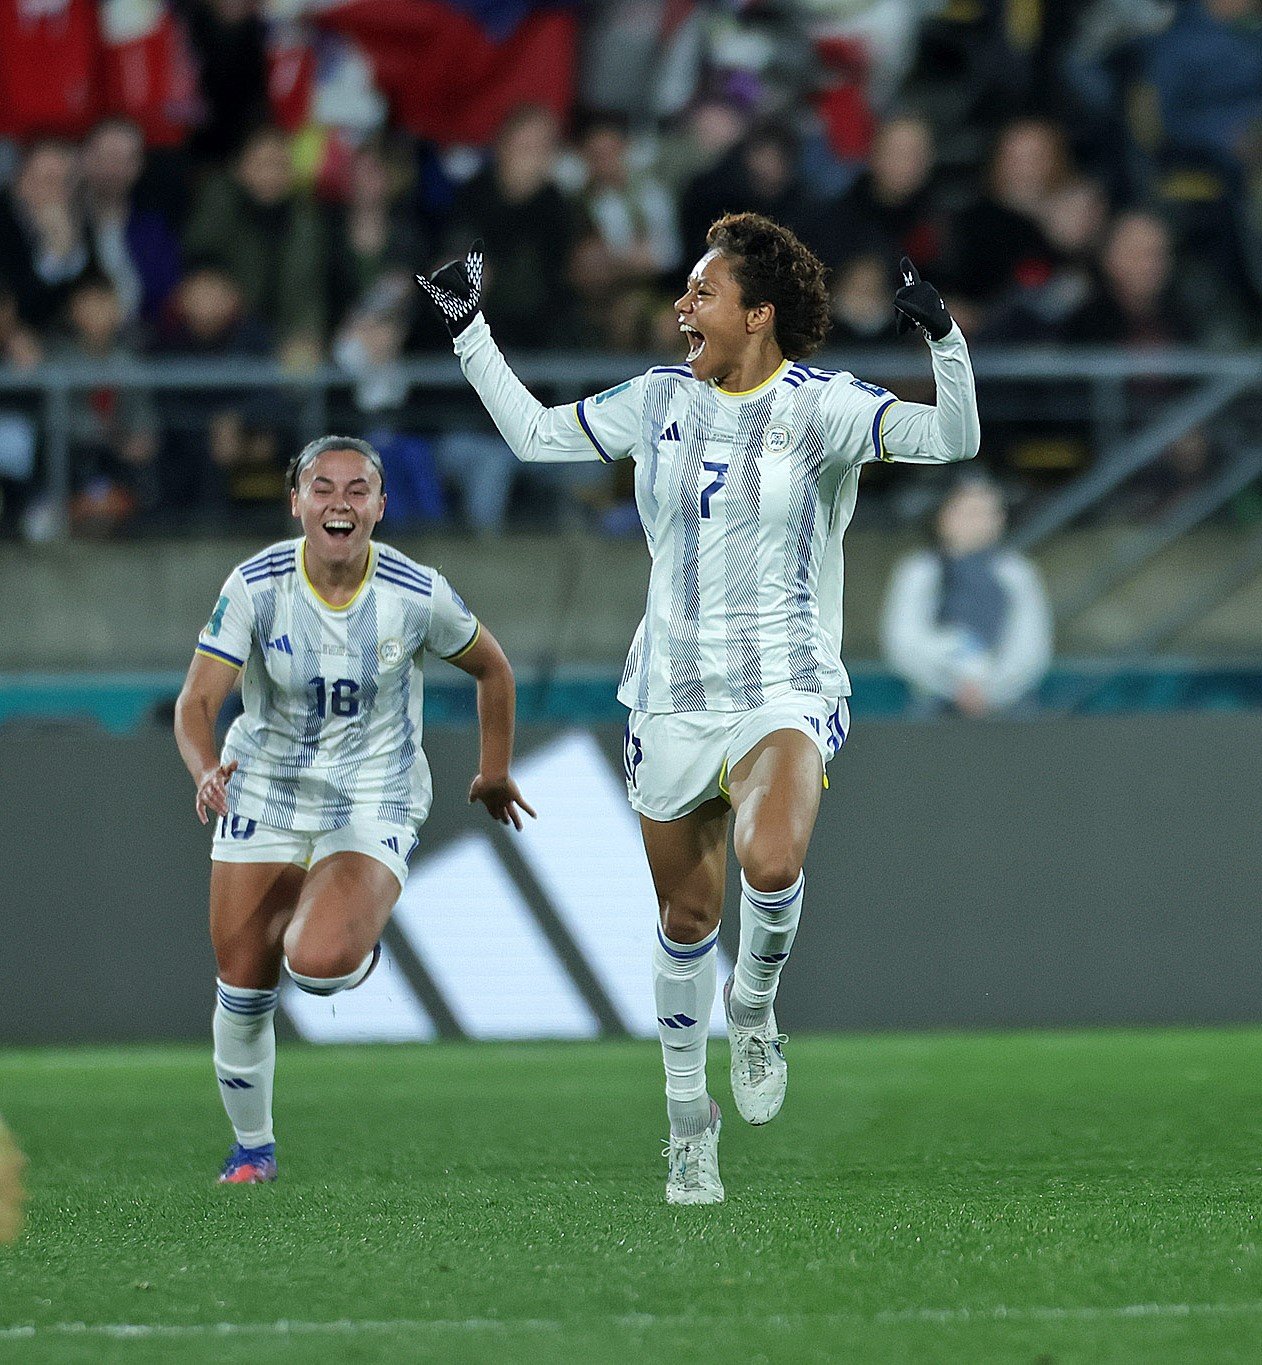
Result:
pixel 918 304
pixel 455 289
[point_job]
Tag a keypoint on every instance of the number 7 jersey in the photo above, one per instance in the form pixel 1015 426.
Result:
pixel 744 498
pixel 333 696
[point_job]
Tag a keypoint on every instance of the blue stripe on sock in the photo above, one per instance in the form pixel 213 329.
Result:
pixel 763 899
pixel 695 950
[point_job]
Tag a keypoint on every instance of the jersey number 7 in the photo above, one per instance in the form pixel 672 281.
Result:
pixel 720 478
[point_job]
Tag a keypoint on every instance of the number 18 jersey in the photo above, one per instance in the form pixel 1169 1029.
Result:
pixel 333 696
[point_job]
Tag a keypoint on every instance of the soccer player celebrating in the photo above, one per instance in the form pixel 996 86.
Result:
pixel 322 785
pixel 747 467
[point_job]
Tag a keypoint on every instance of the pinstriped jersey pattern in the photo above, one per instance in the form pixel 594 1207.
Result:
pixel 332 696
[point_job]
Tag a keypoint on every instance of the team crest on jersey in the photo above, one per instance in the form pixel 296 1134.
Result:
pixel 776 439
pixel 390 652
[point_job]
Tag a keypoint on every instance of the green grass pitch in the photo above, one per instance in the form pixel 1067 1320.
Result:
pixel 1035 1197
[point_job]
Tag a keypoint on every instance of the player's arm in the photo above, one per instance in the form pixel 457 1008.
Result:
pixel 205 690
pixel 484 660
pixel 950 429
pixel 533 432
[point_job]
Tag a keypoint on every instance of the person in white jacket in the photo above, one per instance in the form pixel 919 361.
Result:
pixel 967 623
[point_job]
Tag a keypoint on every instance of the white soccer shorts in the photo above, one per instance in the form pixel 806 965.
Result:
pixel 238 840
pixel 674 762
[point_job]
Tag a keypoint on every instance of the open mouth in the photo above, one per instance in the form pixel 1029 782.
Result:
pixel 696 342
pixel 338 527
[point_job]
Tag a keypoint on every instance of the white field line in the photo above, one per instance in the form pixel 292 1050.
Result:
pixel 286 1327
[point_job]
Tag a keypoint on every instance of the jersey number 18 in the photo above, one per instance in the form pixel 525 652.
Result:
pixel 336 699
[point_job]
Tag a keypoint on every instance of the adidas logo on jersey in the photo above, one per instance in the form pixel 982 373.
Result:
pixel 281 645
pixel 671 433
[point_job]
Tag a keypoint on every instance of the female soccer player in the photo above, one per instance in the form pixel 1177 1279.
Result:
pixel 322 785
pixel 747 467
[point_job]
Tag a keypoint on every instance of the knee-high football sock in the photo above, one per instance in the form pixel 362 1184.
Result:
pixel 683 987
pixel 769 924
pixel 245 1060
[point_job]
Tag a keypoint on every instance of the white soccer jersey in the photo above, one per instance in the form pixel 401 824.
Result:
pixel 744 499
pixel 333 695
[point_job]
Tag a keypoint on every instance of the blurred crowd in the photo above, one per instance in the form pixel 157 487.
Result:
pixel 233 180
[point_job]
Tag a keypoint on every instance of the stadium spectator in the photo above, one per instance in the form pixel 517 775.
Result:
pixel 1206 70
pixel 631 241
pixel 761 175
pixel 860 296
pixel 1136 302
pixel 529 228
pixel 229 42
pixel 219 452
pixel 113 428
pixel 1074 221
pixel 44 246
pixel 998 243
pixel 20 350
pixel 373 234
pixel 967 623
pixel 133 245
pixel 272 240
pixel 889 210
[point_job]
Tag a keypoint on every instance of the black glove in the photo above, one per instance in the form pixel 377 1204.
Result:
pixel 455 289
pixel 918 304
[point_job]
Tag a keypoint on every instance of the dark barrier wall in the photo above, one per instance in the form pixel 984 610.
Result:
pixel 1097 870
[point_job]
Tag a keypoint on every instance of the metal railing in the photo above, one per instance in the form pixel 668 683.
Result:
pixel 1094 388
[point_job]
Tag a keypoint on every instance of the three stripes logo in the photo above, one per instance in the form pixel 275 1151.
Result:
pixel 281 645
pixel 547 934
pixel 671 433
pixel 235 1083
pixel 675 1021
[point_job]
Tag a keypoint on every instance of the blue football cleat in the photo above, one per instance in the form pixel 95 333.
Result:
pixel 249 1165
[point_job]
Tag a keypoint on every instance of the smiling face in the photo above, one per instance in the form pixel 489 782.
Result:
pixel 339 499
pixel 718 327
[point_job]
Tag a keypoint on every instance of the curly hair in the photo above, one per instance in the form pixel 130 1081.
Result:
pixel 772 266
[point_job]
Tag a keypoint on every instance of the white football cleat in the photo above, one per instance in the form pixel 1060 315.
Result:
pixel 760 1075
pixel 693 1177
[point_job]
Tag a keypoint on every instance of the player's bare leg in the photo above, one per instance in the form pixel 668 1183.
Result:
pixel 250 906
pixel 688 858
pixel 775 793
pixel 331 942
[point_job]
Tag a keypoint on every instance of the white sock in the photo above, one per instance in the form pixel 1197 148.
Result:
pixel 769 924
pixel 683 987
pixel 245 1059
pixel 330 985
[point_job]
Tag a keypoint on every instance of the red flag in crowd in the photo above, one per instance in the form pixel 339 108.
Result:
pixel 452 71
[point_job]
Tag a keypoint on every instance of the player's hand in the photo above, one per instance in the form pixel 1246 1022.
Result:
pixel 455 289
pixel 918 304
pixel 502 799
pixel 212 791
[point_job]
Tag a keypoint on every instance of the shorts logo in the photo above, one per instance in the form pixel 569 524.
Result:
pixel 215 624
pixel 390 652
pixel 776 439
